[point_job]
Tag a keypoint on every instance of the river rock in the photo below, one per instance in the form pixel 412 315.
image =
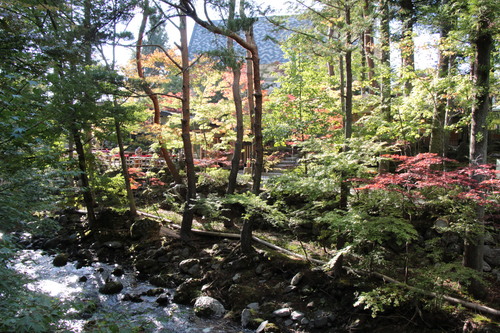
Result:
pixel 486 267
pixel 146 266
pixel 52 243
pixel 296 279
pixel 144 228
pixel 246 314
pixel 492 256
pixel 261 327
pixel 209 307
pixel 237 278
pixel 118 271
pixel 320 322
pixel 132 298
pixel 267 327
pixel 187 291
pixel 60 260
pixel 163 300
pixel 190 266
pixel 111 287
pixel 282 313
pixel 297 315
pixel 253 306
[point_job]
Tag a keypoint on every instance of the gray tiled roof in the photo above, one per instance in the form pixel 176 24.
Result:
pixel 266 37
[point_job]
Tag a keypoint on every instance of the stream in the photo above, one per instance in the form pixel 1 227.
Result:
pixel 71 284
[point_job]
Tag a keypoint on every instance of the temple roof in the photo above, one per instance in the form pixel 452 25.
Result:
pixel 267 37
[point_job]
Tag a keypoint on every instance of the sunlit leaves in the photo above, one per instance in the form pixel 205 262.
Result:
pixel 477 184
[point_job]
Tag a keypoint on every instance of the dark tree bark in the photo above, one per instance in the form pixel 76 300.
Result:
pixel 187 217
pixel 438 143
pixel 88 197
pixel 187 7
pixel 126 175
pixel 408 19
pixel 154 97
pixel 344 187
pixel 238 106
pixel 483 43
pixel 368 45
pixel 386 61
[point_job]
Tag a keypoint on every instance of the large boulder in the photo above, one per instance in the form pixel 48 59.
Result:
pixel 208 307
pixel 188 291
pixel 111 287
pixel 492 256
pixel 190 266
pixel 144 228
pixel 147 266
pixel 60 260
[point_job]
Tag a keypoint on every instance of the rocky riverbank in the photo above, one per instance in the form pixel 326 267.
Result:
pixel 264 292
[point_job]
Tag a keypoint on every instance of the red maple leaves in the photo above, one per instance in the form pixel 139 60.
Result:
pixel 416 173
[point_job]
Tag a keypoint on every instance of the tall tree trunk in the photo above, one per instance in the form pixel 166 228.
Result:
pixel 439 136
pixel 386 61
pixel 407 45
pixel 238 107
pixel 187 7
pixel 483 43
pixel 187 217
pixel 368 44
pixel 154 98
pixel 238 144
pixel 344 187
pixel 257 124
pixel 126 175
pixel 88 197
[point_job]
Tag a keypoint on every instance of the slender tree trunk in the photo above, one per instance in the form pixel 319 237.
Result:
pixel 368 43
pixel 246 236
pixel 438 132
pixel 342 85
pixel 154 98
pixel 238 106
pixel 257 125
pixel 88 197
pixel 249 44
pixel 407 44
pixel 238 144
pixel 126 175
pixel 344 187
pixel 187 217
pixel 474 244
pixel 386 61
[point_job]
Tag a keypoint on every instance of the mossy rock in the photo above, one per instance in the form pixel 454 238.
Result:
pixel 188 291
pixel 111 287
pixel 241 295
pixel 60 260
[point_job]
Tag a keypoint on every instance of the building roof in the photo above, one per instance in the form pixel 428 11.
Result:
pixel 267 37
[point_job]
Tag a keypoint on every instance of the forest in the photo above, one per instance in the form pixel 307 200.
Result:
pixel 314 166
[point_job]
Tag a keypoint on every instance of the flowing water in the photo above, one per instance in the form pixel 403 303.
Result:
pixel 66 284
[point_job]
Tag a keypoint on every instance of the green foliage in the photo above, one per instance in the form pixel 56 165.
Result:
pixel 210 208
pixel 256 207
pixel 368 235
pixel 379 299
pixel 110 189
pixel 213 178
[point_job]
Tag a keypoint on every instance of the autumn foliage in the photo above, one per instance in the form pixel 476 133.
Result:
pixel 417 173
